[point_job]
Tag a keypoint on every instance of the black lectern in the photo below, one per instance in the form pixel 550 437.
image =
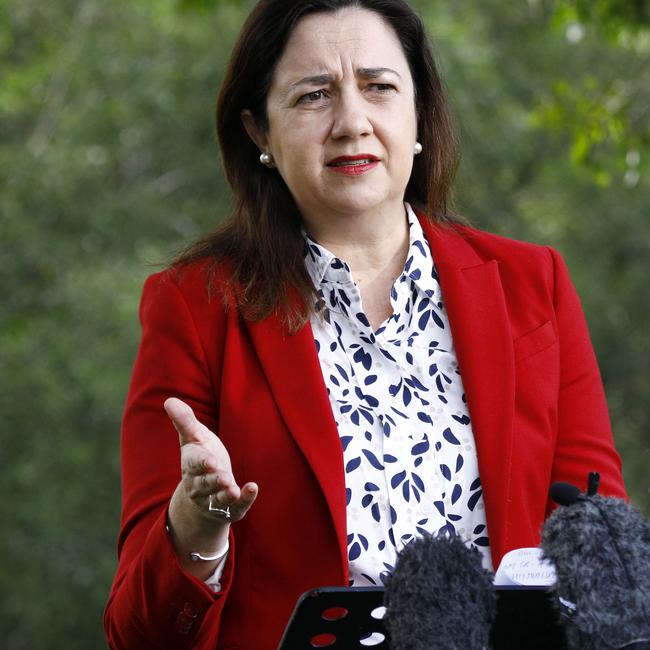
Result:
pixel 347 619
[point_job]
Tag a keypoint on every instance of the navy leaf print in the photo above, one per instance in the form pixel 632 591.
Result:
pixel 342 372
pixel 386 354
pixel 372 459
pixel 353 464
pixel 420 247
pixel 463 419
pixel 454 517
pixel 374 511
pixel 388 458
pixel 447 529
pixel 370 487
pixel 437 320
pixel 354 552
pixel 361 317
pixel 418 481
pixel 455 493
pixel 348 496
pixel 459 463
pixel 417 383
pixel 479 529
pixel 450 437
pixel 363 357
pixel 345 441
pixel 397 479
pixel 367 500
pixel 420 448
pixel 481 541
pixel 445 472
pixel 476 484
pixel 370 379
pixel 473 500
pixel 405 491
pixel 424 319
pixel 440 506
pixel 366 415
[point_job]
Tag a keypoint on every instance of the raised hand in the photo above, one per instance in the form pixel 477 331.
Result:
pixel 207 480
pixel 205 465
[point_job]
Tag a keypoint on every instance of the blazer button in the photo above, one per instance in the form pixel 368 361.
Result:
pixel 186 618
pixel 190 610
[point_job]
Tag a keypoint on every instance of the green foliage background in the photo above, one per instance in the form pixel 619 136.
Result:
pixel 108 166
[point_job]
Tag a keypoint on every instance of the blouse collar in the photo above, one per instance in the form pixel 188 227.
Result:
pixel 325 269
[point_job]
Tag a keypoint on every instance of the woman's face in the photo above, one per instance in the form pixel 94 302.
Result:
pixel 341 113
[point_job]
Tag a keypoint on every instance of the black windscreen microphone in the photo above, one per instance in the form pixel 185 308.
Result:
pixel 600 547
pixel 439 596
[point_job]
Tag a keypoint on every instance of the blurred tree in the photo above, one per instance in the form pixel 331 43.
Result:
pixel 107 166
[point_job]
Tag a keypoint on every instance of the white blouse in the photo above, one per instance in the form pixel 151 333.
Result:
pixel 398 401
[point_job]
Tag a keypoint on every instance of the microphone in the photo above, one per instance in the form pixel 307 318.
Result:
pixel 600 547
pixel 439 596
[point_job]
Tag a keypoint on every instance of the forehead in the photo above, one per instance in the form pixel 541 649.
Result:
pixel 332 42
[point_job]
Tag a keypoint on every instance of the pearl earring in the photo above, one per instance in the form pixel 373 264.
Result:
pixel 266 159
pixel 417 148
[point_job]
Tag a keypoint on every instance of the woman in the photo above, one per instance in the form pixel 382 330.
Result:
pixel 312 350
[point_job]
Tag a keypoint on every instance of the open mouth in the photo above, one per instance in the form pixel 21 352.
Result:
pixel 353 165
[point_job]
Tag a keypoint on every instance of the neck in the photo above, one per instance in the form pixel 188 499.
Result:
pixel 370 244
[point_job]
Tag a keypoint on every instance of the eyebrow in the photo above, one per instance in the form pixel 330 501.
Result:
pixel 364 73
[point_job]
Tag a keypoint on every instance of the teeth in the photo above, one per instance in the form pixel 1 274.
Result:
pixel 351 163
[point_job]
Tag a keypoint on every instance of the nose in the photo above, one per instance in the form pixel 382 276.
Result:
pixel 351 119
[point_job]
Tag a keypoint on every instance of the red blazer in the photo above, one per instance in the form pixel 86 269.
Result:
pixel 535 398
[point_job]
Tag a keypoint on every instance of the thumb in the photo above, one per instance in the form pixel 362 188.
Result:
pixel 184 421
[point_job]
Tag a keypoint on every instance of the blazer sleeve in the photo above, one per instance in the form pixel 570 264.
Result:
pixel 153 603
pixel 584 439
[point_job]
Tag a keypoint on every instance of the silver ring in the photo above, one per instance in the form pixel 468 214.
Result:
pixel 224 512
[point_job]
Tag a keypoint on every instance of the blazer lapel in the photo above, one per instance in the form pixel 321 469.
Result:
pixel 475 303
pixel 292 369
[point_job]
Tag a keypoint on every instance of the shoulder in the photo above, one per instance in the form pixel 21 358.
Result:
pixel 196 294
pixel 198 284
pixel 489 246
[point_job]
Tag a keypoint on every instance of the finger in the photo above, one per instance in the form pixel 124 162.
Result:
pixel 220 484
pixel 183 418
pixel 247 498
pixel 196 460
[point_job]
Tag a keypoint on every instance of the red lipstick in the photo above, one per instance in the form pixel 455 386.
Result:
pixel 353 165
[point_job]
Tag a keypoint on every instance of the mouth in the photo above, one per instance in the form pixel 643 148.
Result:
pixel 353 161
pixel 353 165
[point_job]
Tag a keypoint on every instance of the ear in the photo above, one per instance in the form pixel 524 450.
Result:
pixel 254 132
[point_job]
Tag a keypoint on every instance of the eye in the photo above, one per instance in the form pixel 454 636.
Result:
pixel 382 87
pixel 311 98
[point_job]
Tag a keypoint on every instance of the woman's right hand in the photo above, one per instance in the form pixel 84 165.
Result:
pixel 206 470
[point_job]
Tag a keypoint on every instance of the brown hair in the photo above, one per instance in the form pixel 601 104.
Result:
pixel 261 241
